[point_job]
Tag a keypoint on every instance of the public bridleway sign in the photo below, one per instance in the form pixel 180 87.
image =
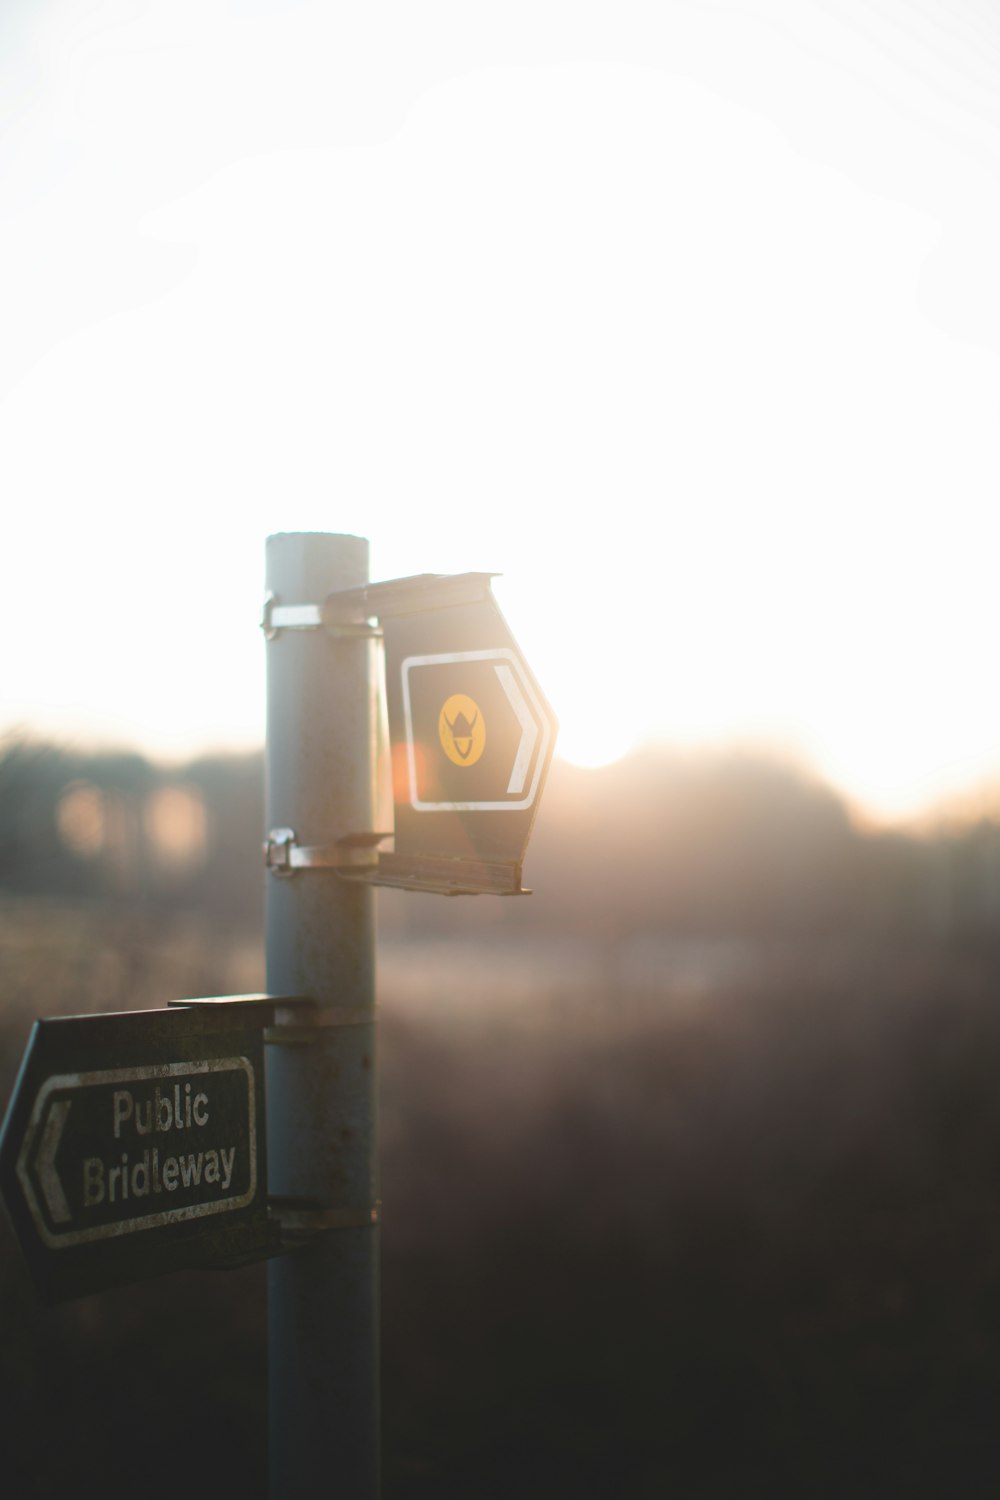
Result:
pixel 134 1144
pixel 471 736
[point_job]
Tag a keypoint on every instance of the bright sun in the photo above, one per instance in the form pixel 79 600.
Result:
pixel 588 744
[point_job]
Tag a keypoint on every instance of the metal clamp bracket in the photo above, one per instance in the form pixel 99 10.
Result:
pixel 300 1222
pixel 284 855
pixel 301 1022
pixel 350 611
pixel 326 616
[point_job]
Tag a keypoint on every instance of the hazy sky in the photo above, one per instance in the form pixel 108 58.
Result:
pixel 685 318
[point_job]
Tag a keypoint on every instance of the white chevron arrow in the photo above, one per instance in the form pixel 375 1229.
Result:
pixel 529 730
pixel 45 1162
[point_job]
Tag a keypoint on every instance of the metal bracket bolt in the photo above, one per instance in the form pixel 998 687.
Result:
pixel 285 856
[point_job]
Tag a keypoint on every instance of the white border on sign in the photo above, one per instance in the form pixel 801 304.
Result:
pixel 501 655
pixel 137 1075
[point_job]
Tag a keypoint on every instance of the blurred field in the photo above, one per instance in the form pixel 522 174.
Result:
pixel 663 1217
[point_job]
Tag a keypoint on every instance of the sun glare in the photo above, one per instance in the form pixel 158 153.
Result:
pixel 704 364
pixel 589 746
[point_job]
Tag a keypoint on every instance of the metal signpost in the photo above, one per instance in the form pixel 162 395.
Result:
pixel 322 720
pixel 151 1141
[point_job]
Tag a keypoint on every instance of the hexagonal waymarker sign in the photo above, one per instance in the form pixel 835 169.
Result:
pixel 471 734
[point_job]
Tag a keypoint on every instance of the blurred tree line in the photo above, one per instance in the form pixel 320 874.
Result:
pixel 659 842
pixel 116 827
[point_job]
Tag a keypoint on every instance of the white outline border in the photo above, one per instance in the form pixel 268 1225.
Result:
pixel 496 653
pixel 135 1075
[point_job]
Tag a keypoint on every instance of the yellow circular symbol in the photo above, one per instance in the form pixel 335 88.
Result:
pixel 462 730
